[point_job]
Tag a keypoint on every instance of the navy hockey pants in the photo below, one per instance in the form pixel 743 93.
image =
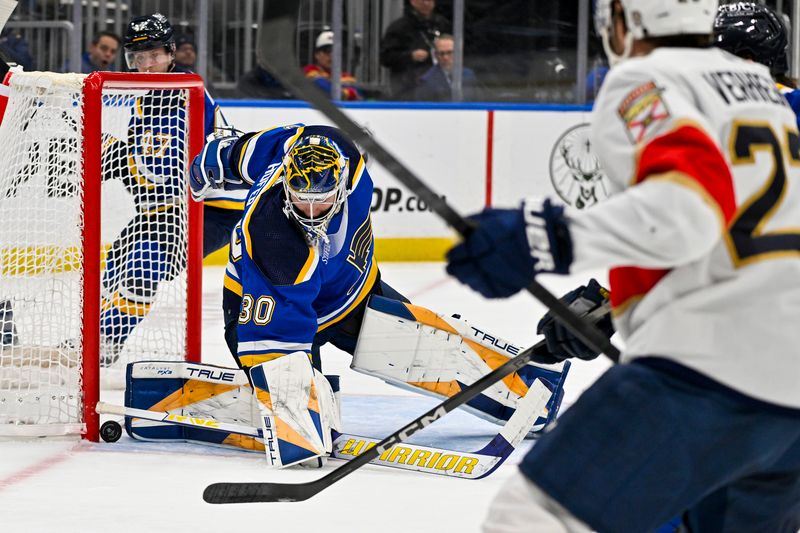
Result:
pixel 652 439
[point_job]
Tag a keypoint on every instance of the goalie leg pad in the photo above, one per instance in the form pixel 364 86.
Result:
pixel 414 348
pixel 297 407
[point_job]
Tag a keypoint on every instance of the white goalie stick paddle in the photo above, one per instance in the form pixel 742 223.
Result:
pixel 278 26
pixel 427 459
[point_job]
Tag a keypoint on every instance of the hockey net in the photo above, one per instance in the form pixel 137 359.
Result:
pixel 100 243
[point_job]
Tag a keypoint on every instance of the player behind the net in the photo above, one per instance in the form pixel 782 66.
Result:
pixel 151 162
pixel 302 273
pixel 702 417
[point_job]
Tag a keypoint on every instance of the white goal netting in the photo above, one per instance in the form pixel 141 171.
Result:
pixel 47 213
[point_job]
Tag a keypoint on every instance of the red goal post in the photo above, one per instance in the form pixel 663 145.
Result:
pixel 134 137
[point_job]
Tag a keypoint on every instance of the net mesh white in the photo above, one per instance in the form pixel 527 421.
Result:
pixel 144 223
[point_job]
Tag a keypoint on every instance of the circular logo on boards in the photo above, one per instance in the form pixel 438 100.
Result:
pixel 575 169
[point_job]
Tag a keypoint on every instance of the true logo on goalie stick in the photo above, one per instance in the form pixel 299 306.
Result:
pixel 575 170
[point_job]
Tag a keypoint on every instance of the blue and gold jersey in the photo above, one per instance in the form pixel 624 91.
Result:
pixel 151 160
pixel 283 289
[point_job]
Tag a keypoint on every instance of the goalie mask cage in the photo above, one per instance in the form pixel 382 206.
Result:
pixel 100 242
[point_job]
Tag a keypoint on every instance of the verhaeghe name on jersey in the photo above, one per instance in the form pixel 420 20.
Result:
pixel 733 86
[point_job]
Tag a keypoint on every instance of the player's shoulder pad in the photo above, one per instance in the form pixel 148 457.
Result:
pixel 348 147
pixel 278 247
pixel 266 146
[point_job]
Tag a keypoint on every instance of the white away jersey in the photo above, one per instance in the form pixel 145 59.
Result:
pixel 702 235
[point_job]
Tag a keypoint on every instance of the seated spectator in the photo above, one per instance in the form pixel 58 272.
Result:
pixel 320 71
pixel 101 54
pixel 407 45
pixel 436 84
pixel 259 84
pixel 15 49
pixel 185 53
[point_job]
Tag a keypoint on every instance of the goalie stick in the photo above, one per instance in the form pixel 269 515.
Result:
pixel 415 457
pixel 252 492
pixel 278 26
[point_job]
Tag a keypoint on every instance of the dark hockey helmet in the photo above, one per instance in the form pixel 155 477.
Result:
pixel 753 31
pixel 148 32
pixel 315 174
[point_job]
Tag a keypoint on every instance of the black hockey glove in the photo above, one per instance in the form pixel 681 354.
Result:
pixel 561 342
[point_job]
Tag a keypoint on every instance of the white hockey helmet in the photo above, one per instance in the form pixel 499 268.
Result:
pixel 654 18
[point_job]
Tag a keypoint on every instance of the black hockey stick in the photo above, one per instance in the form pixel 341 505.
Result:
pixel 254 492
pixel 277 29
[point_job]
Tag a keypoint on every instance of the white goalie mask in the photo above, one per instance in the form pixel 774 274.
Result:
pixel 314 183
pixel 653 18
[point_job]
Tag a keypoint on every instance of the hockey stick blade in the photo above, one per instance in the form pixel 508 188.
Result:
pixel 253 492
pixel 278 26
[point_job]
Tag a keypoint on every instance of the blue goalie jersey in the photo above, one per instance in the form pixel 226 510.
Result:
pixel 284 290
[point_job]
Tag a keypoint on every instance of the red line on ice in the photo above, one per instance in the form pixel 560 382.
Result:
pixel 37 468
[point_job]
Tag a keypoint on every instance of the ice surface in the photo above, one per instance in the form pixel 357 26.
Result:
pixel 65 485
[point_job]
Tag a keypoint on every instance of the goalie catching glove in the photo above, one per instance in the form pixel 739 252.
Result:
pixel 561 342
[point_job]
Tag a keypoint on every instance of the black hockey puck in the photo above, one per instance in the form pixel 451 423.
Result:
pixel 110 431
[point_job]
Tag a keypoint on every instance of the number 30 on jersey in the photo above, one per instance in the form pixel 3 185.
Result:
pixel 259 310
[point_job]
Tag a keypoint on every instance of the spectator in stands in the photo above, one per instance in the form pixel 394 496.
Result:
pixel 15 49
pixel 185 52
pixel 320 71
pixel 436 84
pixel 407 46
pixel 101 54
pixel 259 84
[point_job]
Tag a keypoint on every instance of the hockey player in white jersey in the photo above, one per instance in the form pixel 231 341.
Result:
pixel 702 417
